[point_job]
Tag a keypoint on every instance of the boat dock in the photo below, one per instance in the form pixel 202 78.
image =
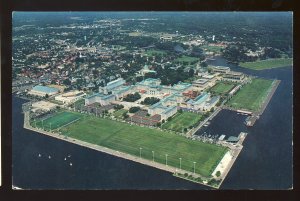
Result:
pixel 251 120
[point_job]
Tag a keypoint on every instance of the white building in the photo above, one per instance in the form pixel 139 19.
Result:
pixel 234 76
pixel 103 99
pixel 164 111
pixel 43 91
pixel 70 97
pixel 220 69
pixel 112 85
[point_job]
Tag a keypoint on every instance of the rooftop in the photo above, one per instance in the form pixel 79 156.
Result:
pixel 45 89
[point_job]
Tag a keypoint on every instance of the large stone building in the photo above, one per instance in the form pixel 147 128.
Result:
pixel 234 76
pixel 103 99
pixel 203 102
pixel 113 85
pixel 220 69
pixel 164 111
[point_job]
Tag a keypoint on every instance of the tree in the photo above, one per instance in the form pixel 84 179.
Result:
pixel 191 72
pixel 134 109
pixel 203 64
pixel 218 173
pixel 118 107
pixel 150 101
pixel 158 124
pixel 125 115
pixel 185 129
pixel 132 97
pixel 67 81
pixel 180 110
pixel 150 75
pixel 163 121
pixel 46 96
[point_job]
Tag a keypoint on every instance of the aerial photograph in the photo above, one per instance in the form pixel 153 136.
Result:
pixel 152 100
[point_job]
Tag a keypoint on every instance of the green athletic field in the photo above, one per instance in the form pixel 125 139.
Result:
pixel 252 96
pixel 57 120
pixel 155 52
pixel 129 139
pixel 181 121
pixel 186 59
pixel 267 64
pixel 215 49
pixel 222 88
pixel 119 113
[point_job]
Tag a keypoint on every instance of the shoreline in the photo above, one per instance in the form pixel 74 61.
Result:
pixel 137 159
pixel 109 151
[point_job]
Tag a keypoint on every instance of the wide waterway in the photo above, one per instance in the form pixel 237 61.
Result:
pixel 264 163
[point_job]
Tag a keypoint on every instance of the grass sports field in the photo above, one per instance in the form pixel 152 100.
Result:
pixel 58 120
pixel 130 138
pixel 181 121
pixel 186 59
pixel 215 49
pixel 252 96
pixel 119 113
pixel 155 52
pixel 267 64
pixel 222 88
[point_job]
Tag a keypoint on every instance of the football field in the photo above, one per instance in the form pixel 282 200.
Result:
pixel 181 121
pixel 252 96
pixel 58 120
pixel 222 88
pixel 151 144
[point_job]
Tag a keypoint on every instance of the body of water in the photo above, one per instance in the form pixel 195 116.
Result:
pixel 41 162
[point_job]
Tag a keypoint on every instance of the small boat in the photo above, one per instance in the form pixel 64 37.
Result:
pixel 49 157
pixel 65 158
pixel 40 155
pixel 71 164
pixel 69 156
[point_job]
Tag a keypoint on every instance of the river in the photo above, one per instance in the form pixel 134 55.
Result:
pixel 264 163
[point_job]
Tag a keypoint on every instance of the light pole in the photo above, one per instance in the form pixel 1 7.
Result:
pixel 180 163
pixel 194 167
pixel 166 159
pixel 153 156
pixel 141 152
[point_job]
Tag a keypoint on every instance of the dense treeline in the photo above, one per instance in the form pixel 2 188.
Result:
pixel 150 101
pixel 132 97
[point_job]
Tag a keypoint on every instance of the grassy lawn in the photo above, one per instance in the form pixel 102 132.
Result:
pixel 251 96
pixel 181 121
pixel 222 87
pixel 267 64
pixel 119 113
pixel 186 59
pixel 155 52
pixel 215 49
pixel 129 138
pixel 58 120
